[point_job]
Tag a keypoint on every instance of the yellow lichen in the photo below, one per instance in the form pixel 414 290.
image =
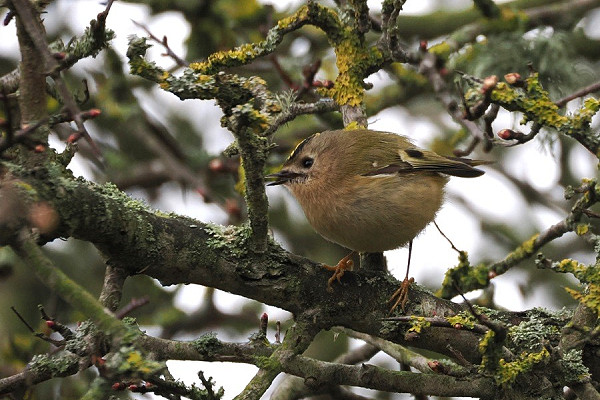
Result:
pixel 301 14
pixel 509 371
pixel 582 229
pixel 463 319
pixel 528 245
pixel 417 324
pixel 353 125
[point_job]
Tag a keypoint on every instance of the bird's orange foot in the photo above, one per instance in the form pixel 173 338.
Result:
pixel 345 264
pixel 401 295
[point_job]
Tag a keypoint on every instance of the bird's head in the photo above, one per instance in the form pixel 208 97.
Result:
pixel 312 162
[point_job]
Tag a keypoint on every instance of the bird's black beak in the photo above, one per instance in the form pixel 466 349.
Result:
pixel 282 177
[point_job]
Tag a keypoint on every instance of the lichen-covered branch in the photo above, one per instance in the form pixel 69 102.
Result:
pixel 39 62
pixel 500 353
pixel 297 339
pixel 40 369
pixel 177 249
pixel 411 358
pixel 374 377
pixel 464 277
pixel 534 102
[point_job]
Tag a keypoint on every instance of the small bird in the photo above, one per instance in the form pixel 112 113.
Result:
pixel 369 191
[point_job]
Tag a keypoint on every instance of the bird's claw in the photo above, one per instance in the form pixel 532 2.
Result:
pixel 339 270
pixel 401 295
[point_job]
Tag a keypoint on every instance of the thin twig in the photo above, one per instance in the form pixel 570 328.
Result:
pixel 57 343
pixel 26 14
pixel 29 327
pixel 446 237
pixel 580 93
pixel 134 304
pixel 164 42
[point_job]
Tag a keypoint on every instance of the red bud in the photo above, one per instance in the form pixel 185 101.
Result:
pixel 60 55
pixel 93 112
pixel 513 78
pixel 73 138
pixel 216 165
pixel 489 83
pixel 232 207
pixel 507 134
pixel 434 365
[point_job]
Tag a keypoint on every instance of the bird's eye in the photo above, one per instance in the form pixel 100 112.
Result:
pixel 307 162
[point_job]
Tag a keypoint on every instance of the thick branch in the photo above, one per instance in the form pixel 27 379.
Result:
pixel 182 250
pixel 68 362
pixel 370 376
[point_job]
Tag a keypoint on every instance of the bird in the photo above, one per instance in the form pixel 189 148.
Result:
pixel 369 191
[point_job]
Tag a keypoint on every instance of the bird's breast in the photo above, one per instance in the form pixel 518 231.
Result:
pixel 374 214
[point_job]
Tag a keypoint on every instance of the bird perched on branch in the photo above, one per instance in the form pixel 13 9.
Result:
pixel 369 191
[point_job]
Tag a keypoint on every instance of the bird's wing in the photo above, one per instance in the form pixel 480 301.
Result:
pixel 415 159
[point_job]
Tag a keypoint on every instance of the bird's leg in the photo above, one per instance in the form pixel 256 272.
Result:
pixel 345 264
pixel 401 295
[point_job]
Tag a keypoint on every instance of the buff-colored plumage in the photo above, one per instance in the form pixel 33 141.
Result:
pixel 368 191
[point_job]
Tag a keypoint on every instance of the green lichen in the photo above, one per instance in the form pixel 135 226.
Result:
pixel 531 334
pixel 208 345
pixel 573 368
pixel 352 126
pixel 526 249
pixel 79 343
pixel 506 372
pixel 254 119
pixel 132 332
pixel 354 60
pixel 417 324
pixel 229 239
pixel 88 44
pixel 267 363
pixel 591 297
pixel 442 50
pixel 63 365
pixel 292 20
pixel 28 192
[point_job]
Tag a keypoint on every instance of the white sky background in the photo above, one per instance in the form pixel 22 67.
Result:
pixel 489 194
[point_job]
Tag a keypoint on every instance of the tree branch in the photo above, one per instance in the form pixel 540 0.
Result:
pixel 317 373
